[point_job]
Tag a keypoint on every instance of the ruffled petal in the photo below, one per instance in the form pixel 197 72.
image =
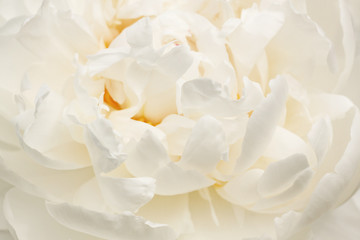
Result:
pixel 205 96
pixel 285 55
pixel 280 174
pixel 106 154
pixel 331 189
pixel 41 124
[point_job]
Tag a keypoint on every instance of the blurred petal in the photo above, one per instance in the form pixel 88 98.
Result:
pixel 27 216
pixel 4 187
pixel 345 218
pixel 19 170
pixel 336 106
pixel 139 35
pixel 108 226
pixel 320 137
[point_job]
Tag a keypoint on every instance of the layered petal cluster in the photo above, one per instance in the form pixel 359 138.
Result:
pixel 164 119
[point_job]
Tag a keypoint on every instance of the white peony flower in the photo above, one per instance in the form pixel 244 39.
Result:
pixel 167 119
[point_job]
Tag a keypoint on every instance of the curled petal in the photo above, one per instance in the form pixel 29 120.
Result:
pixel 262 125
pixel 279 175
pixel 320 137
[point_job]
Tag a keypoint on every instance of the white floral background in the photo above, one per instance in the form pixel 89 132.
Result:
pixel 179 119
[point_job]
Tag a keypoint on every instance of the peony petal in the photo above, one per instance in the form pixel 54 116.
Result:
pixel 252 94
pixel 4 187
pixel 13 67
pixel 336 106
pixel 175 62
pixel 137 8
pixel 320 137
pixel 280 175
pixel 19 170
pixel 345 218
pixel 205 146
pixel 242 189
pixel 333 187
pixel 285 55
pixel 106 153
pixel 127 194
pixel 133 129
pixel 160 105
pixel 173 180
pixel 285 143
pixel 5 235
pixel 108 226
pixel 89 196
pixel 348 41
pixel 205 96
pixel 104 147
pixel 139 35
pixel 20 211
pixel 277 204
pixel 104 59
pixel 177 130
pixel 147 156
pixel 171 210
pixel 40 126
pixel 251 36
pixel 262 125
pixel 348 166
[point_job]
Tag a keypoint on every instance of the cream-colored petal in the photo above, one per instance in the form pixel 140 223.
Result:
pixel 30 220
pixel 173 180
pixel 108 226
pixel 147 156
pixel 205 146
pixel 262 125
